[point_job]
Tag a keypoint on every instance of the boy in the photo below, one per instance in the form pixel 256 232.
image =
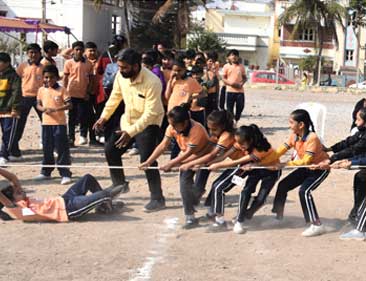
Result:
pixel 14 204
pixel 53 100
pixel 77 77
pixel 234 78
pixel 50 49
pixel 10 96
pixel 31 74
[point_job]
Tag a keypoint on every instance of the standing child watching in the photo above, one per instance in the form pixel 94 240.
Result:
pixel 10 97
pixel 310 152
pixel 234 78
pixel 211 79
pixel 192 139
pixel 50 49
pixel 77 80
pixel 53 100
pixel 255 149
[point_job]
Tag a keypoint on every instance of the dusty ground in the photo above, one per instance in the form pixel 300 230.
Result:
pixel 133 245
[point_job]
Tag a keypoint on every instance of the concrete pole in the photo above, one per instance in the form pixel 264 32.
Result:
pixel 358 56
pixel 44 19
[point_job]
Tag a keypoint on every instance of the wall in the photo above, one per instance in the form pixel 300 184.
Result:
pixel 247 25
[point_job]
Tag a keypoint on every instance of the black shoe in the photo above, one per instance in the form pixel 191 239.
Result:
pixel 117 205
pixel 191 223
pixel 114 190
pixel 154 205
pixel 217 227
pixel 104 208
pixel 208 218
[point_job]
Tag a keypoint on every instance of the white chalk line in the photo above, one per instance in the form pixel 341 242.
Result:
pixel 157 253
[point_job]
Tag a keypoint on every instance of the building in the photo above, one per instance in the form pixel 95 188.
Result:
pixel 86 22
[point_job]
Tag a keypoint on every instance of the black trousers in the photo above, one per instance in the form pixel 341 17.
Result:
pixel 79 113
pixel 359 192
pixel 212 103
pixel 308 180
pixel 236 100
pixel 146 141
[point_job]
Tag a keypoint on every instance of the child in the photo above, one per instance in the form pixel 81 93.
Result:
pixel 350 147
pixel 53 100
pixel 50 49
pixel 31 74
pixel 192 139
pixel 309 151
pixel 14 204
pixel 199 104
pixel 234 78
pixel 211 79
pixel 189 56
pixel 256 149
pixel 10 97
pixel 77 80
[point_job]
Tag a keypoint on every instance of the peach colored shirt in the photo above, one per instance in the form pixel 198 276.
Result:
pixel 234 74
pixel 32 78
pixel 79 73
pixel 182 91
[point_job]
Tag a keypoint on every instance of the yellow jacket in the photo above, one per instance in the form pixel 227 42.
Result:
pixel 143 104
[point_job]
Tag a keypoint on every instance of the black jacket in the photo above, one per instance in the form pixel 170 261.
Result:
pixel 10 91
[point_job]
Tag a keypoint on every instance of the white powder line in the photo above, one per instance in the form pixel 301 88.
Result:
pixel 156 254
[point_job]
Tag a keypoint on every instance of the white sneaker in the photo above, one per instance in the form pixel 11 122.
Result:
pixel 239 228
pixel 3 161
pixel 15 158
pixel 354 234
pixel 65 180
pixel 102 139
pixel 314 230
pixel 41 177
pixel 133 151
pixel 82 141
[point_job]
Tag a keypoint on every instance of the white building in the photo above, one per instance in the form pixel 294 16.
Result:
pixel 85 21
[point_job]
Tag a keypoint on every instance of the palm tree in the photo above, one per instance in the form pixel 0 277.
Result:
pixel 321 15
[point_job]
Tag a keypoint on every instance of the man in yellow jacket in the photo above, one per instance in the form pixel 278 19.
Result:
pixel 140 90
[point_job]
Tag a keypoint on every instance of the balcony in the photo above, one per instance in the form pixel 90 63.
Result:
pixel 240 42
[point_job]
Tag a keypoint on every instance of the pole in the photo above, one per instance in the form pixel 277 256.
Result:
pixel 358 56
pixel 44 34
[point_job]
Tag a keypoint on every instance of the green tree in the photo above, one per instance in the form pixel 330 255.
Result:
pixel 319 15
pixel 205 40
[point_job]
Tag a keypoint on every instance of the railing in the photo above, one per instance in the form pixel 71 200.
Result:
pixel 238 39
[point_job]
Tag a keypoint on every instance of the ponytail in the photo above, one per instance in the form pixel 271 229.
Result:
pixel 254 137
pixel 301 115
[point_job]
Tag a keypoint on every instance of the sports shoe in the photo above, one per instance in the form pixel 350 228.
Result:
pixel 217 227
pixel 3 161
pixel 154 205
pixel 354 234
pixel 102 140
pixel 313 230
pixel 239 228
pixel 117 189
pixel 104 208
pixel 41 177
pixel 208 218
pixel 65 180
pixel 191 223
pixel 133 151
pixel 82 140
pixel 15 158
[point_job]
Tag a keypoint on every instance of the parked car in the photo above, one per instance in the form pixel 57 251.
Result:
pixel 263 76
pixel 361 85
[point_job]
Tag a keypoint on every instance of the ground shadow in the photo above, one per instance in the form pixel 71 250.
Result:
pixel 273 130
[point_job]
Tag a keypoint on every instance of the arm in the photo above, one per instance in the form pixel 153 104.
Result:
pixel 169 88
pixel 159 150
pixel 344 143
pixel 16 95
pixel 179 159
pixel 211 154
pixel 13 179
pixel 231 163
pixel 222 157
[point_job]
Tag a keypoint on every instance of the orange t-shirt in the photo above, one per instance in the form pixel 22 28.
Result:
pixel 52 209
pixel 53 98
pixel 234 74
pixel 79 73
pixel 32 78
pixel 182 91
pixel 225 141
pixel 309 144
pixel 45 61
pixel 265 158
pixel 197 137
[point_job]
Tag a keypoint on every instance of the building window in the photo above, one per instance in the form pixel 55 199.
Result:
pixel 110 2
pixel 279 32
pixel 307 35
pixel 3 13
pixel 349 55
pixel 116 24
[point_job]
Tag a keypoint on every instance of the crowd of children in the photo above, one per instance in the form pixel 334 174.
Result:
pixel 201 137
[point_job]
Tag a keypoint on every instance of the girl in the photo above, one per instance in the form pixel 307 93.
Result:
pixel 211 79
pixel 192 140
pixel 221 128
pixel 309 151
pixel 256 149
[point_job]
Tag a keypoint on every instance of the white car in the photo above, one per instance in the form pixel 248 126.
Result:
pixel 361 85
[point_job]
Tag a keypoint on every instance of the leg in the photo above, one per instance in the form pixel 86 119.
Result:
pixel 91 118
pixel 82 186
pixel 175 149
pixel 83 116
pixel 146 142
pixel 359 192
pixel 200 184
pixel 290 182
pixel 240 100
pixel 362 217
pixel 73 113
pixel 186 191
pixel 230 100
pixel 25 107
pixel 222 98
pixel 62 148
pixel 8 128
pixel 48 147
pixel 312 181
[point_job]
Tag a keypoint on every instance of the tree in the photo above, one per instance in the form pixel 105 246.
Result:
pixel 205 40
pixel 317 14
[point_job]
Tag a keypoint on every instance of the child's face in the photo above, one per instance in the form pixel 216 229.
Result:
pixel 210 63
pixel 233 58
pixel 91 53
pixel 49 79
pixel 296 127
pixel 53 52
pixel 244 145
pixel 33 55
pixel 78 52
pixel 214 129
pixel 188 61
pixel 359 121
pixel 178 71
pixel 178 127
pixel 197 76
pixel 3 66
pixel 167 63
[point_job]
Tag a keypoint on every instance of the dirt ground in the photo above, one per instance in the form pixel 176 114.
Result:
pixel 133 245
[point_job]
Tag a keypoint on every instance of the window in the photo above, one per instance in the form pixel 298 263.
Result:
pixel 116 24
pixel 307 35
pixel 349 55
pixel 279 32
pixel 3 13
